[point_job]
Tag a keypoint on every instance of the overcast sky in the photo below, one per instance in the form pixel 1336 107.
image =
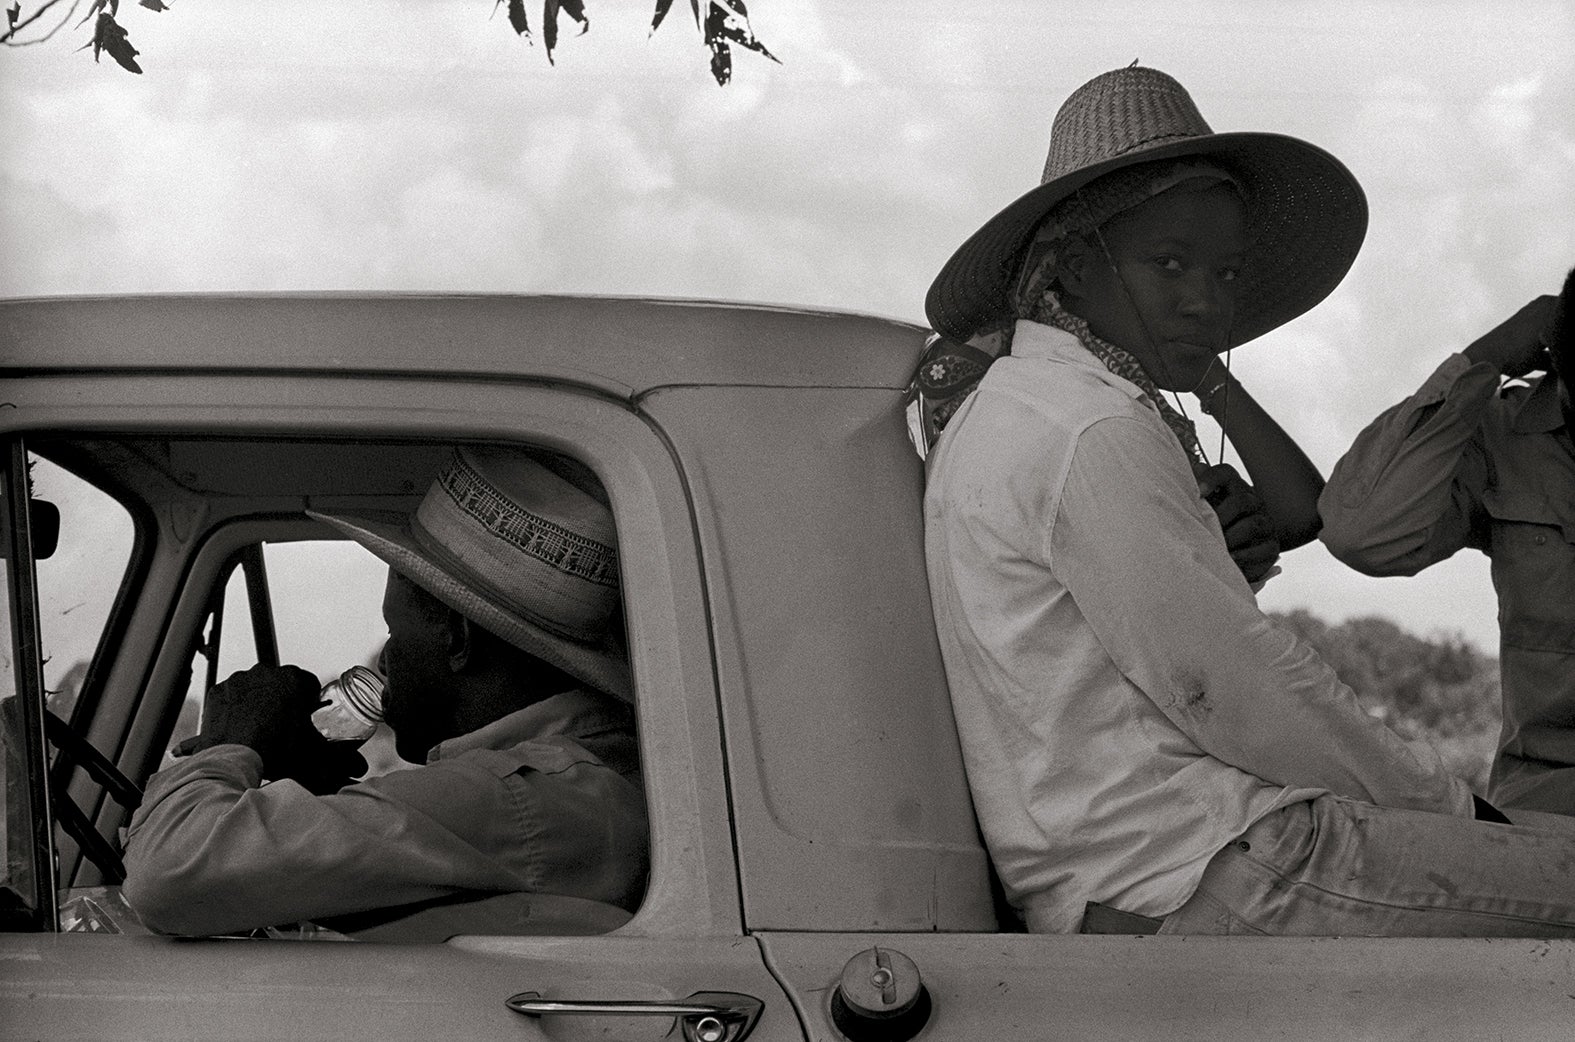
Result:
pixel 386 145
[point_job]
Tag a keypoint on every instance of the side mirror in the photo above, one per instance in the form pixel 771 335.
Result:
pixel 44 523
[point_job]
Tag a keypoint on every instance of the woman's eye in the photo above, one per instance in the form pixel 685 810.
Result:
pixel 1168 263
pixel 1230 274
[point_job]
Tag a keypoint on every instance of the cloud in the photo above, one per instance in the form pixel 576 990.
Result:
pixel 412 145
pixel 52 244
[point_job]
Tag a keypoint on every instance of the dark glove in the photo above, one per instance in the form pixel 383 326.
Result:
pixel 269 709
pixel 1249 533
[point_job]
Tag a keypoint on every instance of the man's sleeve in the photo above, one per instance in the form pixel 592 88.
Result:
pixel 1408 492
pixel 211 850
pixel 1144 560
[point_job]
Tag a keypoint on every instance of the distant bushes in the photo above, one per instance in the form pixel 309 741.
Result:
pixel 1440 690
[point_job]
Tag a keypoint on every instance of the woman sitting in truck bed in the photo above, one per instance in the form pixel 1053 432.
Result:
pixel 1138 735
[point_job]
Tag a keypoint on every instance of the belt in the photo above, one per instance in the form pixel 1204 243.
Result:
pixel 1098 918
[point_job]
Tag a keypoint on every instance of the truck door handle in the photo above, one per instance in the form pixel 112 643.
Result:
pixel 707 1016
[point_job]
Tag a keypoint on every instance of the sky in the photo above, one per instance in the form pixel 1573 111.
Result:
pixel 388 145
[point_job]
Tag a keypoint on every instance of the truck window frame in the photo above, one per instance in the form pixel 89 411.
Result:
pixel 694 875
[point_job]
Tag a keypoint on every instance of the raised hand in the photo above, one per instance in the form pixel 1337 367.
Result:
pixel 269 709
pixel 1518 344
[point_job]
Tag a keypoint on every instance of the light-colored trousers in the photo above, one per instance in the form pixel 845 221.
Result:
pixel 1337 866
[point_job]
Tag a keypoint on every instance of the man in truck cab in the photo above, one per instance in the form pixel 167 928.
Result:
pixel 1143 744
pixel 505 676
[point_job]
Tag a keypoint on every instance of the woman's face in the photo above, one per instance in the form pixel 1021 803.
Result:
pixel 1162 284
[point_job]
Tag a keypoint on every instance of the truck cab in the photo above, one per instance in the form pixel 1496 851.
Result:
pixel 816 867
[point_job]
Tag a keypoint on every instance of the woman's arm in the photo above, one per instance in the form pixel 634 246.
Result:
pixel 1135 549
pixel 1284 477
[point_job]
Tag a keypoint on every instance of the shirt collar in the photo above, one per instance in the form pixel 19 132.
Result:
pixel 575 713
pixel 1037 340
pixel 1539 411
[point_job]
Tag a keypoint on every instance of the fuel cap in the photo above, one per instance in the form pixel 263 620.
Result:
pixel 880 998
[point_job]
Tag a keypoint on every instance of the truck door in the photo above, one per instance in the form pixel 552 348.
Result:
pixel 681 967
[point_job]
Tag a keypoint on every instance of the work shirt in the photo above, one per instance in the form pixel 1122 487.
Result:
pixel 548 800
pixel 1125 709
pixel 1459 464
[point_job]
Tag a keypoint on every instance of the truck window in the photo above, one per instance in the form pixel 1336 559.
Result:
pixel 247 564
pixel 78 583
pixel 18 889
pixel 264 578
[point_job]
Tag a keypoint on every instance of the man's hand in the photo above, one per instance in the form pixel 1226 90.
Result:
pixel 1249 532
pixel 269 709
pixel 1518 344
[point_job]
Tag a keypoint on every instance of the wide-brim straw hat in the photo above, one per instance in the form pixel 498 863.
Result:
pixel 1307 212
pixel 517 549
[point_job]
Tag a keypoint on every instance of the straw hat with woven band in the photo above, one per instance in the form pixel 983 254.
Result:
pixel 518 550
pixel 1308 215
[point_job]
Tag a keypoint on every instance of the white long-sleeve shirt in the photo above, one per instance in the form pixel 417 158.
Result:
pixel 1125 708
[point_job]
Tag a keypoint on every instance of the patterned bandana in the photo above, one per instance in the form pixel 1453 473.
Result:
pixel 948 371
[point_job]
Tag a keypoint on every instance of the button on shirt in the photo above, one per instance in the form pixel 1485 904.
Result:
pixel 546 800
pixel 1460 465
pixel 1125 709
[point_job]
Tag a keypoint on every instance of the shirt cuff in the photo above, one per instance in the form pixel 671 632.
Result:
pixel 1449 375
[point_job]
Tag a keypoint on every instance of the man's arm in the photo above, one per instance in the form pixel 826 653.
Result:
pixel 1142 558
pixel 1408 492
pixel 212 850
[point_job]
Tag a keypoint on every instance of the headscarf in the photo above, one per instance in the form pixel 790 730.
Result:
pixel 949 371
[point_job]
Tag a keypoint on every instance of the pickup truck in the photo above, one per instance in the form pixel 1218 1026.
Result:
pixel 817 870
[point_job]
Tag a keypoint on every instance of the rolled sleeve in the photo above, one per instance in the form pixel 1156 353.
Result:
pixel 1408 492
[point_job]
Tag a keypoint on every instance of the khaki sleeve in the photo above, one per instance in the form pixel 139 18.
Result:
pixel 1408 492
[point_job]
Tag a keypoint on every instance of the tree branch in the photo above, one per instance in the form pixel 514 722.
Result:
pixel 7 37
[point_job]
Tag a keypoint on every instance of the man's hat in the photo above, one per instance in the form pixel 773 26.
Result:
pixel 1306 211
pixel 518 550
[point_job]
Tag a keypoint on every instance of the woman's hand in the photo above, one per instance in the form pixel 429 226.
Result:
pixel 1249 531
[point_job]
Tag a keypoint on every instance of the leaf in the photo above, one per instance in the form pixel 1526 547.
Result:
pixel 662 7
pixel 729 20
pixel 108 35
pixel 721 63
pixel 575 9
pixel 94 8
pixel 726 23
pixel 517 17
pixel 14 12
pixel 154 5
